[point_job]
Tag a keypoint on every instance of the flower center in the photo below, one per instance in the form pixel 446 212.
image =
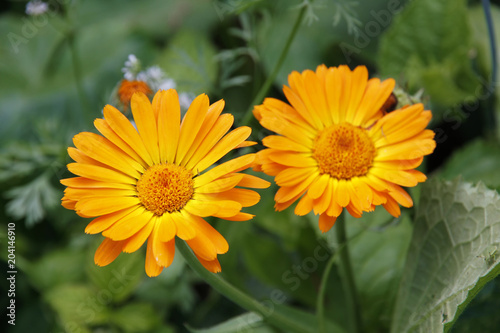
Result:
pixel 165 188
pixel 343 151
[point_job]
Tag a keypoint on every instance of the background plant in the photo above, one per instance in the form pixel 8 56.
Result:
pixel 59 69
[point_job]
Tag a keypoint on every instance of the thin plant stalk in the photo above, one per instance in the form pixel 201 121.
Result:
pixel 269 314
pixel 270 79
pixel 348 276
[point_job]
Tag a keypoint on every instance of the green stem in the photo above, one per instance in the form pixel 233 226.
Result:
pixel 270 79
pixel 76 70
pixel 268 313
pixel 348 276
pixel 320 301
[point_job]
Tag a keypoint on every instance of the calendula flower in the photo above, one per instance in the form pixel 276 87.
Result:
pixel 128 88
pixel 337 148
pixel 157 182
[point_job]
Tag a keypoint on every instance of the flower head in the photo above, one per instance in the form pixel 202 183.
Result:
pixel 156 182
pixel 337 148
pixel 128 88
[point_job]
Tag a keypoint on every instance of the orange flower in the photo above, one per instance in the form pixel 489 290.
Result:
pixel 156 182
pixel 128 88
pixel 336 148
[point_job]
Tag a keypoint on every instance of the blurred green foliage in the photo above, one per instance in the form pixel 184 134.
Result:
pixel 58 70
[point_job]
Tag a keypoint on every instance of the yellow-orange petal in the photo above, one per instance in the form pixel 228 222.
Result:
pixel 146 124
pixel 284 143
pixel 304 206
pixel 207 127
pixel 392 207
pixel 253 181
pixel 81 182
pixel 100 173
pixel 229 142
pixel 219 129
pixel 239 217
pixel 322 203
pixel 68 204
pixel 124 129
pixel 293 176
pixel 203 247
pixel 96 206
pixel 163 252
pixel 220 243
pixel 74 193
pixel 287 193
pixel 169 122
pixel 244 198
pixel 107 252
pixel 134 242
pixel 212 266
pixel 101 223
pixel 167 228
pixel 102 150
pixel 318 187
pixel 184 225
pixel 191 124
pixel 326 222
pixel 151 266
pixel 106 130
pixel 234 165
pixel 221 185
pixel 201 208
pixel 129 225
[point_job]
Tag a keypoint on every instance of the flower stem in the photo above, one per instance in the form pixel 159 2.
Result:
pixel 348 276
pixel 489 117
pixel 320 301
pixel 268 313
pixel 270 79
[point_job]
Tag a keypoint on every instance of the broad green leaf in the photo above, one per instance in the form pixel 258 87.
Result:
pixel 78 306
pixel 247 322
pixel 429 43
pixel 251 322
pixel 453 253
pixel 56 268
pixel 285 224
pixel 189 59
pixel 135 317
pixel 118 279
pixel 486 157
pixel 267 260
pixel 304 320
pixel 481 314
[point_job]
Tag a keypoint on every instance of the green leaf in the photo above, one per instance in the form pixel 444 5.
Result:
pixel 247 321
pixel 251 322
pixel 31 200
pixel 437 57
pixel 77 306
pixel 304 319
pixel 136 317
pixel 118 279
pixel 189 59
pixel 453 253
pixel 486 157
pixel 56 268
